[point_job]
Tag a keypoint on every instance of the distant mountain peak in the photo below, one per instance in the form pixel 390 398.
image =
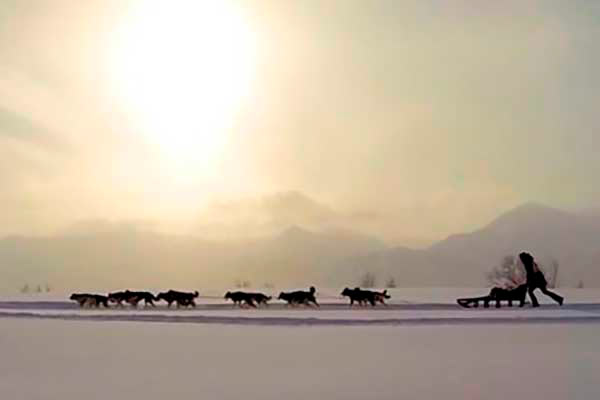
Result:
pixel 529 212
pixel 295 232
pixel 531 205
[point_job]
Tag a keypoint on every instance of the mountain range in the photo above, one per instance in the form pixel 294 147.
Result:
pixel 570 239
pixel 298 257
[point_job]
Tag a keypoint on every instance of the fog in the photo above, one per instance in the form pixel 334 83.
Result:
pixel 404 120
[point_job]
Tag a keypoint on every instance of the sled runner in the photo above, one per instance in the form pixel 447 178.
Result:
pixel 474 301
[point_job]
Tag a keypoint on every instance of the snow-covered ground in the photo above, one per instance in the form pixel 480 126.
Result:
pixel 407 306
pixel 421 346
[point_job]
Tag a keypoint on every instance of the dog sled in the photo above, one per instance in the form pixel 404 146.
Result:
pixel 497 295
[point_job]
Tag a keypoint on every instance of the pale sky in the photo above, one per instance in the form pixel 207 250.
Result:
pixel 409 120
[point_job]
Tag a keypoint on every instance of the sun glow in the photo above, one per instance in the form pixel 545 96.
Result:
pixel 181 68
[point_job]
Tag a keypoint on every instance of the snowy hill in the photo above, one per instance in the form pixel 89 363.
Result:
pixel 571 239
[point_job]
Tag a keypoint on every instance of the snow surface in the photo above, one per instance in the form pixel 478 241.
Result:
pixel 422 346
pixel 407 306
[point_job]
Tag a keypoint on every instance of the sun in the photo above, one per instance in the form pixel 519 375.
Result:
pixel 181 69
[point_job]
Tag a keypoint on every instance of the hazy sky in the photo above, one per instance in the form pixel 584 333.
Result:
pixel 411 120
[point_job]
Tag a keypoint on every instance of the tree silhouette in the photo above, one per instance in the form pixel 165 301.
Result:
pixel 552 274
pixel 391 283
pixel 368 280
pixel 509 274
pixel 242 284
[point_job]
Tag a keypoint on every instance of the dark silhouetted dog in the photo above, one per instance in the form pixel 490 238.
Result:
pixel 299 297
pixel 250 299
pixel 119 297
pixel 135 297
pixel 132 298
pixel 181 298
pixel 240 298
pixel 89 300
pixel 260 298
pixel 362 297
pixel 381 296
pixel 355 295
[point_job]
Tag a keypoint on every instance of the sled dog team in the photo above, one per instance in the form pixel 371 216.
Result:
pixel 535 279
pixel 182 299
pixel 247 299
